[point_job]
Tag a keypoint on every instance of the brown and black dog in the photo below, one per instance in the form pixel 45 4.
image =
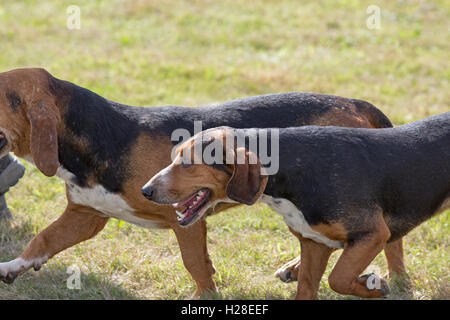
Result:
pixel 349 188
pixel 106 152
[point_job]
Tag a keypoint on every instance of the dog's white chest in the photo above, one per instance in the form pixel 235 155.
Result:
pixel 295 219
pixel 108 203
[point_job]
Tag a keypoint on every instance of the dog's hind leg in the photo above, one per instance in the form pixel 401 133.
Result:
pixel 357 255
pixel 289 271
pixel 314 257
pixel 392 250
pixel 75 225
pixel 394 256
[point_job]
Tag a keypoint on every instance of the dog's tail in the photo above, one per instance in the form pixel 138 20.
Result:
pixel 377 118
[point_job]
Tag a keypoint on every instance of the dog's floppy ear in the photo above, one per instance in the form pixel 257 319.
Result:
pixel 247 182
pixel 44 122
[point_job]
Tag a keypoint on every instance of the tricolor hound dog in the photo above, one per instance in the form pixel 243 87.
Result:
pixel 106 152
pixel 355 189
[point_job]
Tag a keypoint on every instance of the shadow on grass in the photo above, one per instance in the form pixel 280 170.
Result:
pixel 241 296
pixel 402 287
pixel 51 281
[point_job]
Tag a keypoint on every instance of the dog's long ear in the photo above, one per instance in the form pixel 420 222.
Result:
pixel 247 182
pixel 44 122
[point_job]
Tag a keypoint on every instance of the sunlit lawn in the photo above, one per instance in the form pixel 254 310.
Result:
pixel 197 52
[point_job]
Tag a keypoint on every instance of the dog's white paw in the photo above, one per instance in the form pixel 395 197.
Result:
pixel 374 282
pixel 9 271
pixel 288 272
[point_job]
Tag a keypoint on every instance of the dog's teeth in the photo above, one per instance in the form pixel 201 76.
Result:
pixel 200 193
pixel 195 202
pixel 179 214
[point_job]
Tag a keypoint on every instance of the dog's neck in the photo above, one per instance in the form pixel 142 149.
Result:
pixel 95 137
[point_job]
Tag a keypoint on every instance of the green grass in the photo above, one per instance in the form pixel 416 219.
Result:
pixel 196 52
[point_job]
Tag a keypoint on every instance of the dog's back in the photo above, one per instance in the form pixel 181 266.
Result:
pixel 110 128
pixel 281 110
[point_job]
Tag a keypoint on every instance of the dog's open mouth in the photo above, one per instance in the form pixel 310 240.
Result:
pixel 3 140
pixel 194 207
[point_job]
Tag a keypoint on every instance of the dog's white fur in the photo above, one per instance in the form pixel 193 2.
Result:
pixel 20 265
pixel 295 219
pixel 108 203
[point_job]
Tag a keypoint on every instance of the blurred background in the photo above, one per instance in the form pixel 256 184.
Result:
pixel 394 54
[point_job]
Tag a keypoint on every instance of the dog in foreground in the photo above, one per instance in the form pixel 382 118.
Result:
pixel 106 151
pixel 355 189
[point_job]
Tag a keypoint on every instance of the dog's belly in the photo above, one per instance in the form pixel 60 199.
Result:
pixel 100 199
pixel 295 219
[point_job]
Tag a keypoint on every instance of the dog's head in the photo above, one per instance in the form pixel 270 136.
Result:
pixel 208 169
pixel 29 117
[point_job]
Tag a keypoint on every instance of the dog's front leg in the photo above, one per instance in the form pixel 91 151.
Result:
pixel 192 242
pixel 75 225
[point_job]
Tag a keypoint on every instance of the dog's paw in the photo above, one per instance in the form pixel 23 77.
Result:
pixel 373 281
pixel 284 275
pixel 9 277
pixel 288 272
pixel 9 271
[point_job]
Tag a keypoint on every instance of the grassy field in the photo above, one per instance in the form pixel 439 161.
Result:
pixel 197 52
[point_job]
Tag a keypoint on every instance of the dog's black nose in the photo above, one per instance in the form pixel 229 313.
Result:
pixel 147 192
